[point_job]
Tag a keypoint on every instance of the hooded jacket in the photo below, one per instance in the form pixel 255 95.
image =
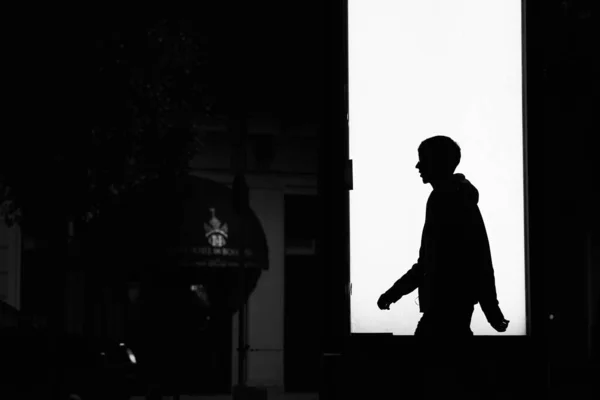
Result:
pixel 454 267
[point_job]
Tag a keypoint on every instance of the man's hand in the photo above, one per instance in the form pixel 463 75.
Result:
pixel 500 325
pixel 384 301
pixel 495 317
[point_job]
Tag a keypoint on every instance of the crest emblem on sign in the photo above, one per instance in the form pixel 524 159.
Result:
pixel 216 232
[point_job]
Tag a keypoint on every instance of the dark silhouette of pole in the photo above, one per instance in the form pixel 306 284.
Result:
pixel 240 194
pixel 239 95
pixel 241 198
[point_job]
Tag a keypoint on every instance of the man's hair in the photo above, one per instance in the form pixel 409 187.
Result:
pixel 444 151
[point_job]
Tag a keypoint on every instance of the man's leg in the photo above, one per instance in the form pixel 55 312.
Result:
pixel 422 327
pixel 436 379
pixel 445 339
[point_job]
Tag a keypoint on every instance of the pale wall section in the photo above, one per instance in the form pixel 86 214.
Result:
pixel 266 304
pixel 10 265
pixel 293 169
pixel 265 307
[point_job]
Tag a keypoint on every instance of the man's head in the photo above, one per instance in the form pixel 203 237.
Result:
pixel 438 158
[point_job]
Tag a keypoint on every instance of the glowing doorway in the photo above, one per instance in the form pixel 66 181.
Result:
pixel 419 69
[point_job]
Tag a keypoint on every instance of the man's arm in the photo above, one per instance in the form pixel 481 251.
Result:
pixel 484 270
pixel 407 284
pixel 412 279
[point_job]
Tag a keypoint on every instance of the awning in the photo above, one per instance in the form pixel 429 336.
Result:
pixel 211 233
pixel 188 232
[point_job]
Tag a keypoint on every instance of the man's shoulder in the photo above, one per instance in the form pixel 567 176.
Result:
pixel 450 201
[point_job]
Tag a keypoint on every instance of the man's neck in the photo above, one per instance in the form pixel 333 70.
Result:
pixel 441 184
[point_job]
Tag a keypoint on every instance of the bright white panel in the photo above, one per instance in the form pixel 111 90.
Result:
pixel 419 69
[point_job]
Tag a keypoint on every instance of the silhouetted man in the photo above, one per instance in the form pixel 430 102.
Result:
pixel 454 270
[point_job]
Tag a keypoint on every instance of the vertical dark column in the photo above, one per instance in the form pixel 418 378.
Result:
pixel 333 237
pixel 558 67
pixel 57 259
pixel 533 71
pixel 240 104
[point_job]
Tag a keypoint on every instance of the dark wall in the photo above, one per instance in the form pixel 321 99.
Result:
pixel 560 131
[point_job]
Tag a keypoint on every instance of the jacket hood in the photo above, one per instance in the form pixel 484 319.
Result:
pixel 459 183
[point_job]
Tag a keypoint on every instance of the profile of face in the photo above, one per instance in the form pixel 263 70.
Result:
pixel 429 169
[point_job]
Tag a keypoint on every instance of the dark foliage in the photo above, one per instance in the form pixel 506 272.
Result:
pixel 149 98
